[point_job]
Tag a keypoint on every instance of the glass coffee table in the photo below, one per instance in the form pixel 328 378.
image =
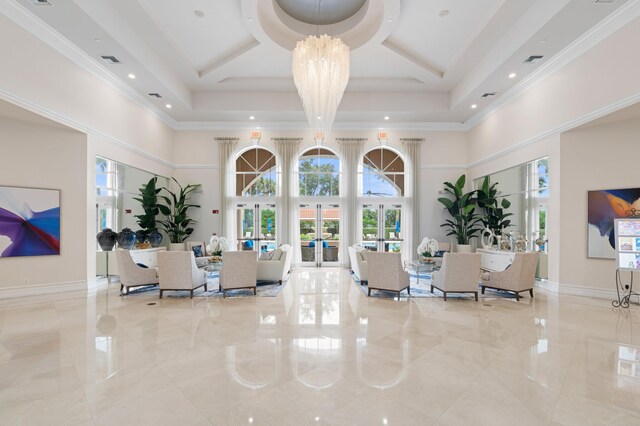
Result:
pixel 418 267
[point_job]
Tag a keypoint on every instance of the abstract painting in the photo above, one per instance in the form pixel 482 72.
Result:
pixel 604 206
pixel 29 221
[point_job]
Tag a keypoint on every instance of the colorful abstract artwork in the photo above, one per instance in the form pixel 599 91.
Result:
pixel 29 222
pixel 603 207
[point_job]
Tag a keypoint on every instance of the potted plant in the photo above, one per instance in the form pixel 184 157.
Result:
pixel 178 224
pixel 148 198
pixel 495 217
pixel 216 246
pixel 464 219
pixel 427 249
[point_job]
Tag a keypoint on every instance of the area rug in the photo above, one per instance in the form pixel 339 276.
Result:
pixel 423 290
pixel 263 289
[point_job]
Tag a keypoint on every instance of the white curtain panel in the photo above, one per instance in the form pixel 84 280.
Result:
pixel 287 152
pixel 350 156
pixel 411 220
pixel 226 151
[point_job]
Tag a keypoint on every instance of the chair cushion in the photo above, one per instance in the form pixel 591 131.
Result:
pixel 277 254
pixel 197 251
pixel 267 255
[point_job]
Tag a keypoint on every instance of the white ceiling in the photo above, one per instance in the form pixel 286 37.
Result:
pixel 410 60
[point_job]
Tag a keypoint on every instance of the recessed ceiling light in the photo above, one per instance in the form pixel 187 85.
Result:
pixel 512 75
pixel 319 118
pixel 97 39
pixel 250 19
pixel 543 41
pixel 168 106
pixel 198 13
pixel 251 117
pixel 131 76
pixel 390 20
pixel 443 13
pixel 386 117
pixel 474 106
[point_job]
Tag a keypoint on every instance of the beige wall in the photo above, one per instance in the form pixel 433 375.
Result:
pixel 39 156
pixel 603 157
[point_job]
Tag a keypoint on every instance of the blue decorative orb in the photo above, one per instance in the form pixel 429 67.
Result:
pixel 155 238
pixel 106 239
pixel 126 239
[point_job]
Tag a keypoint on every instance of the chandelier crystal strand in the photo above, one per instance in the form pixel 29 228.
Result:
pixel 320 73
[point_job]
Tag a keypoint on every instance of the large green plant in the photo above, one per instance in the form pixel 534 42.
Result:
pixel 148 199
pixel 495 217
pixel 178 224
pixel 462 208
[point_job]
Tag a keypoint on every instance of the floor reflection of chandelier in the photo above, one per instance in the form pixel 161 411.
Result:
pixel 320 73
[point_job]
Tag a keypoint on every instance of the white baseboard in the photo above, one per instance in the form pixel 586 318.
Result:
pixel 574 290
pixel 40 289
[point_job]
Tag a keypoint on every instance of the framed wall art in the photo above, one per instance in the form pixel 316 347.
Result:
pixel 29 221
pixel 603 207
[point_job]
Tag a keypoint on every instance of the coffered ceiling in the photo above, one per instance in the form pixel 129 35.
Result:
pixel 417 62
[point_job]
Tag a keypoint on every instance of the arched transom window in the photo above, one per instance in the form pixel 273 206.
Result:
pixel 256 173
pixel 319 173
pixel 382 174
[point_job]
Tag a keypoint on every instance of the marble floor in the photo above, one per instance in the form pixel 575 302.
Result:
pixel 320 352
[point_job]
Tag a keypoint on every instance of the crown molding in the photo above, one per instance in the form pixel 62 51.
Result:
pixel 443 166
pixel 76 125
pixel 38 28
pixel 196 166
pixel 299 126
pixel 599 32
pixel 569 125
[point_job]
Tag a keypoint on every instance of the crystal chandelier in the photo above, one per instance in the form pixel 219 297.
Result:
pixel 320 73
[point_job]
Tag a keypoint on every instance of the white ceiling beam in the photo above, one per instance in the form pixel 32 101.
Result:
pixel 424 66
pixel 541 12
pixel 221 69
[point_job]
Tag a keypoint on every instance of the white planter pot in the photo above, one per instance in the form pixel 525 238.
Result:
pixel 464 248
pixel 176 247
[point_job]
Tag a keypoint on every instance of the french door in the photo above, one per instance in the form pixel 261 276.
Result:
pixel 256 226
pixel 382 227
pixel 320 234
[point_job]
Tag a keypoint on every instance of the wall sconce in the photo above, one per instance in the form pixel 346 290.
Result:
pixel 255 137
pixel 383 137
pixel 318 137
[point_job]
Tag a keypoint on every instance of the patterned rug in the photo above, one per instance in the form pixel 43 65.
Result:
pixel 263 289
pixel 423 289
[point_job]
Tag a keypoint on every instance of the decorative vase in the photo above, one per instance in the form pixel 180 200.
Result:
pixel 488 237
pixel 521 243
pixel 126 239
pixel 464 248
pixel 141 236
pixel 155 238
pixel 107 239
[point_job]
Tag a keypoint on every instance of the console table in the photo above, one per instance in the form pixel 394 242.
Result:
pixel 495 260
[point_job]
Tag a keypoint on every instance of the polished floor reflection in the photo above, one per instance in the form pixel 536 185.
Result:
pixel 320 352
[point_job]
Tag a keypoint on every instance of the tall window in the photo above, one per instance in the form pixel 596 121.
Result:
pixel 382 174
pixel 256 173
pixel 319 173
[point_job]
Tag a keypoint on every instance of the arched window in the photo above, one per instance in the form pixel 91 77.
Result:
pixel 256 173
pixel 382 174
pixel 319 173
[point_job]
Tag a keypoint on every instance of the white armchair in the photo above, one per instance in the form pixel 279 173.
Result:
pixel 201 261
pixel 277 267
pixel 132 275
pixel 239 270
pixel 386 272
pixel 178 271
pixel 358 262
pixel 518 277
pixel 459 273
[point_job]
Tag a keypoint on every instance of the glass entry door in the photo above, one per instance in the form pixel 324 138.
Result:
pixel 256 227
pixel 320 234
pixel 382 227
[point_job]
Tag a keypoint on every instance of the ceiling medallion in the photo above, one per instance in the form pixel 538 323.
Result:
pixel 321 72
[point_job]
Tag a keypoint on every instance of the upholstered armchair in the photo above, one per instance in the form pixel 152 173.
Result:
pixel 386 272
pixel 239 270
pixel 178 271
pixel 459 273
pixel 518 277
pixel 277 266
pixel 358 262
pixel 201 261
pixel 131 274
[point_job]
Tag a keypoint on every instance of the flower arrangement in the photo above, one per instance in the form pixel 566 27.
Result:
pixel 428 247
pixel 217 245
